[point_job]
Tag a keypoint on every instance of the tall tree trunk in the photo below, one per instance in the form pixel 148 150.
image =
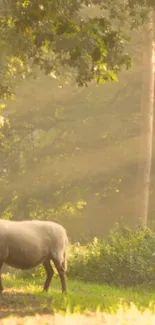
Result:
pixel 147 110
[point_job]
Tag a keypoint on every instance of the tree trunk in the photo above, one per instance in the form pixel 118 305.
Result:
pixel 147 110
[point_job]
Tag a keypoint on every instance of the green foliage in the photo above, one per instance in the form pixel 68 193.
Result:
pixel 67 210
pixel 64 37
pixel 49 156
pixel 127 259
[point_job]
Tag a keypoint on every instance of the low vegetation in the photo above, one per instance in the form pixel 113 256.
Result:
pixel 109 282
pixel 126 259
pixel 25 303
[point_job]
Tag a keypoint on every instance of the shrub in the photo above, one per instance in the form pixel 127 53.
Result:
pixel 127 259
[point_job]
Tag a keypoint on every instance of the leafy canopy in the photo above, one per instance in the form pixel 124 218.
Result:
pixel 85 39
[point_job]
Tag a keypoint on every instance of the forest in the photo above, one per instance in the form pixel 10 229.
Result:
pixel 76 147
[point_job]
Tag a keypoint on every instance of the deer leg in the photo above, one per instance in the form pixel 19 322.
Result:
pixel 1 286
pixel 49 272
pixel 61 271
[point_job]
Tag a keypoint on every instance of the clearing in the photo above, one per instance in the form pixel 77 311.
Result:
pixel 24 303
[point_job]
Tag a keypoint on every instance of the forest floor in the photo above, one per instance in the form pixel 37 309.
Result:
pixel 24 303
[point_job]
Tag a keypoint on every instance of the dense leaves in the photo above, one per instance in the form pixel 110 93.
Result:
pixel 81 40
pixel 85 38
pixel 128 259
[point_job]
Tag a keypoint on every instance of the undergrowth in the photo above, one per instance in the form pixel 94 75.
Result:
pixel 127 259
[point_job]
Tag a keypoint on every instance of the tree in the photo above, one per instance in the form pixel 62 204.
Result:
pixel 61 37
pixel 147 110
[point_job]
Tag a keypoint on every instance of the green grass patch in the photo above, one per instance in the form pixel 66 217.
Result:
pixel 24 303
pixel 82 297
pixel 113 278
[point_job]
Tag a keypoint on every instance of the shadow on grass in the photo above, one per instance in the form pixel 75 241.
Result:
pixel 24 304
pixel 25 298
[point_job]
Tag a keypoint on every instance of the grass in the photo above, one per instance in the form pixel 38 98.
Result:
pixel 24 303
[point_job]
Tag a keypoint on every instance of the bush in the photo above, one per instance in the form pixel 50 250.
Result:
pixel 127 259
